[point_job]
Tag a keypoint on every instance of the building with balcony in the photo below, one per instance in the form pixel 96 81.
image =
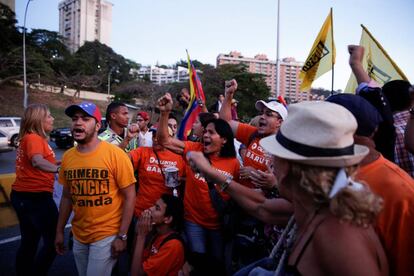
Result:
pixel 260 64
pixel 85 20
pixel 161 76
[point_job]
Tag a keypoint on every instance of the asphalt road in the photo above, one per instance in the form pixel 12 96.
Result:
pixel 10 237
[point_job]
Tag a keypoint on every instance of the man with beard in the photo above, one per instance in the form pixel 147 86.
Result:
pixel 117 132
pixel 97 180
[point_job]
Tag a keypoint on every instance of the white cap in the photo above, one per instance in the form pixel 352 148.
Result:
pixel 274 106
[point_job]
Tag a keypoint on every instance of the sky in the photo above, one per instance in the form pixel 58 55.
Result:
pixel 159 31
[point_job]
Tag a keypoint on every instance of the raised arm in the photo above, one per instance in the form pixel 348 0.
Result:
pixel 356 53
pixel 225 111
pixel 272 211
pixel 165 104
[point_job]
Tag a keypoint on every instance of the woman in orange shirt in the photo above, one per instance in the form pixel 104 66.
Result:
pixel 202 224
pixel 32 192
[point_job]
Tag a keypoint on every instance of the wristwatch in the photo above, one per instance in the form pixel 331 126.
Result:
pixel 122 237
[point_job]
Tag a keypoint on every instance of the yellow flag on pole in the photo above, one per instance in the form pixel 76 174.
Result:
pixel 321 57
pixel 376 62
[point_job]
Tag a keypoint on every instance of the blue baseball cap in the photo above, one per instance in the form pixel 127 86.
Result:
pixel 367 116
pixel 89 108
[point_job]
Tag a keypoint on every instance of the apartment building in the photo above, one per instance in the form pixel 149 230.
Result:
pixel 288 76
pixel 85 20
pixel 161 76
pixel 10 3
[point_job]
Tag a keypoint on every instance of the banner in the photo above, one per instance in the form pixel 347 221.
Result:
pixel 321 57
pixel 376 62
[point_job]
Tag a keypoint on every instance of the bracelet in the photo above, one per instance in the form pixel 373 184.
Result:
pixel 226 183
pixel 58 169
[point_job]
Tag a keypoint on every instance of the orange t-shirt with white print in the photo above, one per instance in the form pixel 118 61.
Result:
pixel 151 180
pixel 197 203
pixel 167 260
pixel 28 178
pixel 94 180
pixel 255 156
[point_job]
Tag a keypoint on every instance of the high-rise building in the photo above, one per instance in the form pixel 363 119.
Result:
pixel 288 76
pixel 85 20
pixel 10 3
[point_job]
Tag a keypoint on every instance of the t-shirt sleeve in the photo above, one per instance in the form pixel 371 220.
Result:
pixel 192 146
pixel 170 256
pixel 125 171
pixel 136 156
pixel 34 145
pixel 244 131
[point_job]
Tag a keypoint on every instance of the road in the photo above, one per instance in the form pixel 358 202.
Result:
pixel 10 237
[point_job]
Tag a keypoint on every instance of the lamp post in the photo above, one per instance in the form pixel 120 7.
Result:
pixel 24 57
pixel 109 83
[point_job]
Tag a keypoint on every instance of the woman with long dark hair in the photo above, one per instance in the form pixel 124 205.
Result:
pixel 202 224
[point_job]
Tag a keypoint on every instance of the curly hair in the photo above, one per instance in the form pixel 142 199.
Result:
pixel 359 207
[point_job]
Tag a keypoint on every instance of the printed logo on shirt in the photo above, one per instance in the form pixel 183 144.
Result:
pixel 90 184
pixel 257 154
pixel 154 165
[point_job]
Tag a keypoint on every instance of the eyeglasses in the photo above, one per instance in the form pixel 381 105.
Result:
pixel 271 114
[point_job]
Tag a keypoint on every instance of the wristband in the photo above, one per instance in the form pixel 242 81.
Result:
pixel 226 183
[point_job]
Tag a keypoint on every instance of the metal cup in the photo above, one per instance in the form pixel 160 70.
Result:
pixel 171 177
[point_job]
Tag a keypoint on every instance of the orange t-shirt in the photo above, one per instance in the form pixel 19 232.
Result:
pixel 197 203
pixel 28 178
pixel 94 180
pixel 151 180
pixel 395 223
pixel 256 156
pixel 167 260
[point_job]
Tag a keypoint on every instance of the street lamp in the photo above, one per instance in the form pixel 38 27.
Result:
pixel 109 83
pixel 24 57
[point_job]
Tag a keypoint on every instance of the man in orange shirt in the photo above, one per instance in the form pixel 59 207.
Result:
pixel 395 223
pixel 164 253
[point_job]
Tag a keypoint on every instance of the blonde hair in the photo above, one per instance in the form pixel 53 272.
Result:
pixel 32 121
pixel 358 206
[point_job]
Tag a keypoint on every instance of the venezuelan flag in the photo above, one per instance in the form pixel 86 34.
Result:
pixel 193 109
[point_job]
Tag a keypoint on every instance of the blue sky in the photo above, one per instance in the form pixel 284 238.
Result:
pixel 151 31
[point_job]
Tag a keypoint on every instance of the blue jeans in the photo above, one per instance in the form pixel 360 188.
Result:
pixel 199 237
pixel 256 268
pixel 37 214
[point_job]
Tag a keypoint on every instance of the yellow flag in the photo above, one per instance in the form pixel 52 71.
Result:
pixel 376 62
pixel 322 56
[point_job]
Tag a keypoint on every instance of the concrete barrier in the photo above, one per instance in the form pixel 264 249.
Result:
pixel 7 214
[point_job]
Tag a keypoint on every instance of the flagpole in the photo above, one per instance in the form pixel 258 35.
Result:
pixel 277 92
pixel 333 62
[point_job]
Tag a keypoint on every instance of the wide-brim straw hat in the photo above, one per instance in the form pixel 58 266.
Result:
pixel 317 133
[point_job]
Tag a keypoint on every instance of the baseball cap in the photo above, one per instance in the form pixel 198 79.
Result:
pixel 89 108
pixel 144 115
pixel 367 116
pixel 274 106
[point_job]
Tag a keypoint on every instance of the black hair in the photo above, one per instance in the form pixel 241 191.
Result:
pixel 175 209
pixel 112 107
pixel 224 130
pixel 171 116
pixel 398 94
pixel 205 118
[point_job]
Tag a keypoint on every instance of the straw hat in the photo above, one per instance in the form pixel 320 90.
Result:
pixel 317 133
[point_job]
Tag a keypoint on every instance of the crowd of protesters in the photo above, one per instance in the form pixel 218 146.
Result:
pixel 312 188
